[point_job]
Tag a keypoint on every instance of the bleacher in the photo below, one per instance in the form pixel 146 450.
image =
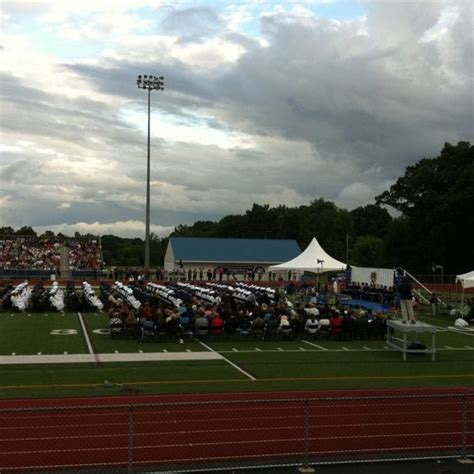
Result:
pixel 39 258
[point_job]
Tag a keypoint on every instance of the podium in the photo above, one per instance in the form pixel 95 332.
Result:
pixel 395 343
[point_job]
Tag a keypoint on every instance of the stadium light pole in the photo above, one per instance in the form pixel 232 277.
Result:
pixel 439 267
pixel 149 83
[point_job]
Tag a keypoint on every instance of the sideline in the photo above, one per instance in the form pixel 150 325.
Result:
pixel 251 377
pixel 91 358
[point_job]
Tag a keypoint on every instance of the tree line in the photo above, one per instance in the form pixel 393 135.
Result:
pixel 433 202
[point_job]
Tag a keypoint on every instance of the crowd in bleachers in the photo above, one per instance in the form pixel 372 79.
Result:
pixel 44 253
pixel 29 252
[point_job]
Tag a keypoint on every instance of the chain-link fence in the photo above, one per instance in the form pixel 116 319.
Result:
pixel 225 434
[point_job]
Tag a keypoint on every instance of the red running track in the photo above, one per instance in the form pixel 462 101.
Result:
pixel 190 430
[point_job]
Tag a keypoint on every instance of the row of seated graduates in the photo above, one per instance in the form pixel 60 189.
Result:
pixel 5 296
pixel 198 320
pixel 73 301
pixel 237 317
pixel 374 293
pixel 148 318
pixel 40 301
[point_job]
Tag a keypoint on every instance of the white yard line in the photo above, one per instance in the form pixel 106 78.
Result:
pixel 315 345
pixel 251 377
pixel 86 336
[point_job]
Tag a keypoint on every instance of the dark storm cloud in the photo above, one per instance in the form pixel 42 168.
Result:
pixel 352 97
pixel 192 24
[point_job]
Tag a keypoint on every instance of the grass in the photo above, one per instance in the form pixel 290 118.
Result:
pixel 275 365
pixel 30 333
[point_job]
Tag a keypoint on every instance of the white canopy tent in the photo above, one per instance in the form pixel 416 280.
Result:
pixel 313 259
pixel 466 279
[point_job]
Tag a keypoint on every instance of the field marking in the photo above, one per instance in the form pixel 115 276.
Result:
pixel 84 332
pixel 116 356
pixel 251 377
pixel 276 379
pixel 109 357
pixel 463 331
pixel 315 345
pixel 299 350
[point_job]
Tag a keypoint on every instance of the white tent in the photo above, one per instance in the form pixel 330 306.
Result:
pixel 313 259
pixel 466 279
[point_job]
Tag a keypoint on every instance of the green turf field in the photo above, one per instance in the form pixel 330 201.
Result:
pixel 237 365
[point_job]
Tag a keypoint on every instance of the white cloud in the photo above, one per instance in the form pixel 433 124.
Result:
pixel 6 201
pixel 131 229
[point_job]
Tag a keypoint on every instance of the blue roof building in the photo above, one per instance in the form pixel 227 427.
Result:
pixel 214 252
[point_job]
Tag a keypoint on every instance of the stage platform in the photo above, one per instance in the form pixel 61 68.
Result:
pixel 402 345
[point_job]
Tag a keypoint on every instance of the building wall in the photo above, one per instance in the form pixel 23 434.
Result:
pixel 240 269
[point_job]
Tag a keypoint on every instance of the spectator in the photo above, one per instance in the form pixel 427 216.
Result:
pixel 336 324
pixel 217 324
pixel 434 303
pixel 311 326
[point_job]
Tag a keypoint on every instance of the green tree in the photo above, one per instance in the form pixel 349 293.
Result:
pixel 329 224
pixel 286 225
pixel 234 226
pixel 399 246
pixel 48 234
pixel 7 230
pixel 436 196
pixel 198 229
pixel 259 221
pixel 370 220
pixel 26 230
pixel 368 251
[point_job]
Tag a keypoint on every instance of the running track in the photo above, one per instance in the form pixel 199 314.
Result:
pixel 202 430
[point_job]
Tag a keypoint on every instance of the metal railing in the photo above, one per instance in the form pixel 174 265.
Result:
pixel 192 436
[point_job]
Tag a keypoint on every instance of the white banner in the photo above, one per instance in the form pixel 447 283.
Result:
pixel 372 276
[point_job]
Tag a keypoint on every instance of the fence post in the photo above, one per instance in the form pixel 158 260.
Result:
pixel 130 439
pixel 464 425
pixel 306 468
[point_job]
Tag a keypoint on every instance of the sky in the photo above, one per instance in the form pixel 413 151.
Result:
pixel 266 102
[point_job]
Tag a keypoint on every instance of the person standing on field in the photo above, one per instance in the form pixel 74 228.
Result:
pixel 434 303
pixel 406 301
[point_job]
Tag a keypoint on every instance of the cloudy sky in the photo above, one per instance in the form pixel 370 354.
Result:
pixel 264 101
